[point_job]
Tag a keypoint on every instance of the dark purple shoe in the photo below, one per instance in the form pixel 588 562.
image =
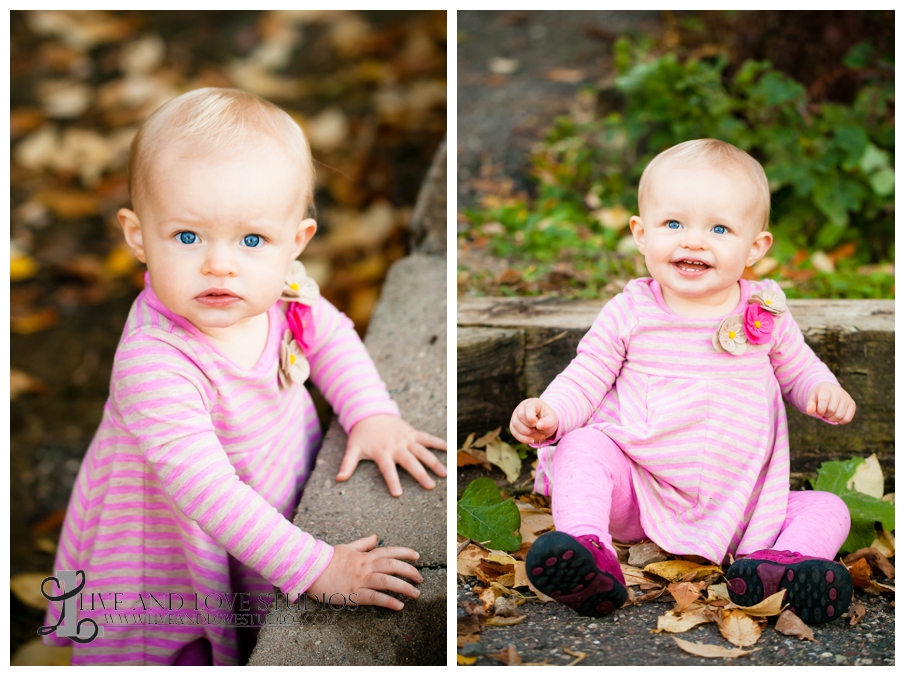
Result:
pixel 817 590
pixel 578 572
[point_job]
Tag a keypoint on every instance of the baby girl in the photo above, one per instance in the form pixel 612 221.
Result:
pixel 209 433
pixel 669 425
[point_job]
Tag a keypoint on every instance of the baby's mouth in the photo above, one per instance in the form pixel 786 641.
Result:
pixel 689 265
pixel 217 297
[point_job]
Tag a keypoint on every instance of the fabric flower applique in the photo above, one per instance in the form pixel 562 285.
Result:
pixel 730 337
pixel 758 324
pixel 771 301
pixel 299 287
pixel 300 318
pixel 294 366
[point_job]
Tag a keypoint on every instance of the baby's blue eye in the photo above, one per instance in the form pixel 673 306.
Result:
pixel 673 225
pixel 251 240
pixel 720 229
pixel 188 237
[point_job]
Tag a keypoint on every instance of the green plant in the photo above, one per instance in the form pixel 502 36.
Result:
pixel 830 168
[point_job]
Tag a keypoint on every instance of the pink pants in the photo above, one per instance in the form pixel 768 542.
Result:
pixel 593 494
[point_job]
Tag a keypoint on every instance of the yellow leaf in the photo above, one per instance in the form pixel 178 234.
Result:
pixel 505 559
pixel 120 261
pixel 868 478
pixel 22 267
pixel 35 654
pixel 674 571
pixel 737 628
pixel 465 661
pixel 27 588
pixel 772 605
pixel 521 577
pixel 718 592
pixel 535 521
pixel 685 593
pixel 502 455
pixel 885 543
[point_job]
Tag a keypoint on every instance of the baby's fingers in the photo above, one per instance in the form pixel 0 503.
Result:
pixel 399 553
pixel 384 582
pixel 349 463
pixel 387 467
pixel 369 597
pixel 428 458
pixel 393 566
pixel 430 441
pixel 411 465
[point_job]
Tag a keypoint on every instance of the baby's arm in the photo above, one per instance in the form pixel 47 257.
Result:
pixel 573 396
pixel 805 381
pixel 343 370
pixel 161 398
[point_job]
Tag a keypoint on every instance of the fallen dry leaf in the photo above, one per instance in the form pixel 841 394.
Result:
pixel 645 553
pixel 705 650
pixel 502 455
pixel 885 543
pixel 490 571
pixel 488 597
pixel 676 571
pixel 464 661
pixel 791 625
pixel 535 521
pixel 649 596
pixel 465 639
pixel 468 558
pixel 770 606
pixel 521 576
pixel 505 606
pixel 463 459
pixel 504 621
pixel 574 653
pixel 860 572
pixel 566 75
pixel 737 628
pixel 875 559
pixel 633 576
pixel 868 478
pixel 676 623
pixel 27 588
pixel 468 625
pixel 509 656
pixel 856 613
pixel 875 588
pixel 685 593
pixel 35 653
pixel 543 598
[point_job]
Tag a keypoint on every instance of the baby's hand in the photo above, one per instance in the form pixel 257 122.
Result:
pixel 360 569
pixel 390 441
pixel 533 421
pixel 831 403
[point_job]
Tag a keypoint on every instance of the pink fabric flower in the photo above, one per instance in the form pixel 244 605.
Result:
pixel 301 322
pixel 758 324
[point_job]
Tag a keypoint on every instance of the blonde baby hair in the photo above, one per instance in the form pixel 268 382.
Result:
pixel 213 119
pixel 714 152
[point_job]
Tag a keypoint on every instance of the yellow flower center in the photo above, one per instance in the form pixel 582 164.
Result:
pixel 295 287
pixel 732 335
pixel 292 359
pixel 756 325
pixel 768 302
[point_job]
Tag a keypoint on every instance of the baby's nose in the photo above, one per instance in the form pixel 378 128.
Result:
pixel 219 261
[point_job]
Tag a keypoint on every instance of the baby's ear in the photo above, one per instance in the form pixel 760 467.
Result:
pixel 128 219
pixel 759 247
pixel 637 232
pixel 303 235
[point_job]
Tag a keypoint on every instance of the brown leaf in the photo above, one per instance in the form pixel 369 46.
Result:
pixel 521 577
pixel 509 656
pixel 488 596
pixel 543 598
pixel 27 588
pixel 737 628
pixel 650 596
pixel 791 625
pixel 465 639
pixel 856 613
pixel 645 553
pixel 676 623
pixel 875 559
pixel 487 438
pixel 475 609
pixel 31 321
pixel 704 650
pixel 634 576
pixel 676 571
pixel 574 653
pixel 468 558
pixel 463 459
pixel 489 571
pixel 535 521
pixel 20 383
pixel 504 621
pixel 860 572
pixel 685 593
pixel 566 75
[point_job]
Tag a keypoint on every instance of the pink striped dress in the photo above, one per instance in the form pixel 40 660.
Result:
pixel 705 431
pixel 196 468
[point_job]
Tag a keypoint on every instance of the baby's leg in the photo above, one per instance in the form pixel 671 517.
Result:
pixel 592 489
pixel 816 524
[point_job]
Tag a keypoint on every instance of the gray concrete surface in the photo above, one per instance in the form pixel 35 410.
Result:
pixel 407 340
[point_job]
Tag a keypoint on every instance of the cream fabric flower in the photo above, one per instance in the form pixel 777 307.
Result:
pixel 299 287
pixel 771 301
pixel 730 337
pixel 294 367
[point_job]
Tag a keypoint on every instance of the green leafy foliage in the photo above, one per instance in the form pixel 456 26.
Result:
pixel 483 516
pixel 830 168
pixel 865 510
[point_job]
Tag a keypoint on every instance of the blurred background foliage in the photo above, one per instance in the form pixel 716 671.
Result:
pixel 809 94
pixel 369 88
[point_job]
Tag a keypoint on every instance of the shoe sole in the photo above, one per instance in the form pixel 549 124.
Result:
pixel 561 567
pixel 817 591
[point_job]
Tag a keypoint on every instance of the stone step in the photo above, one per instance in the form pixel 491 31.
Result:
pixel 511 348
